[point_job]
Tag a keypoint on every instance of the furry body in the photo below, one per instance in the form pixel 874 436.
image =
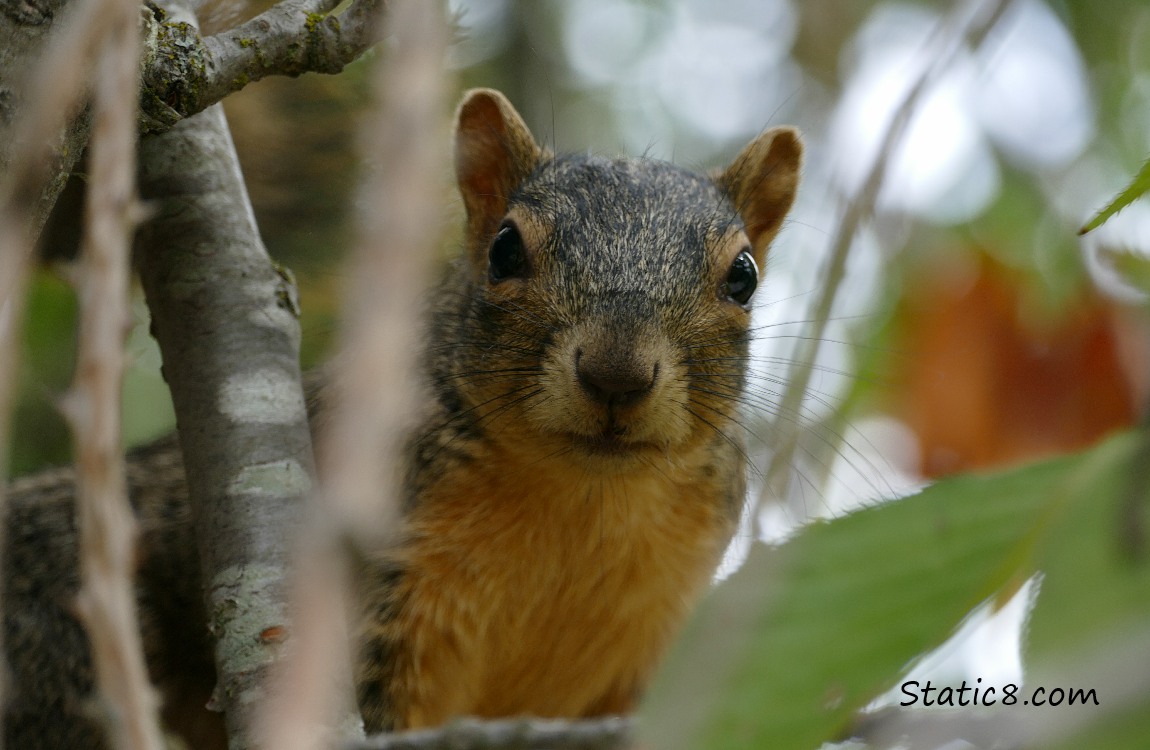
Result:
pixel 576 475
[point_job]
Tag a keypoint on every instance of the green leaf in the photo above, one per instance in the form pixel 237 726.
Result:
pixel 1090 628
pixel 1135 190
pixel 1133 267
pixel 1093 583
pixel 786 652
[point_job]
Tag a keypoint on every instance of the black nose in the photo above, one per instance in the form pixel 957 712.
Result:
pixel 614 381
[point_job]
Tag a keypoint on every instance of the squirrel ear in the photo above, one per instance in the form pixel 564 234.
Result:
pixel 494 153
pixel 761 183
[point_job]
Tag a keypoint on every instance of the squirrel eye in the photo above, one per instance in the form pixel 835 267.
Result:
pixel 741 279
pixel 506 258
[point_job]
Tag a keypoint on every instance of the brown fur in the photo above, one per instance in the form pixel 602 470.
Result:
pixel 577 471
pixel 554 590
pixel 555 540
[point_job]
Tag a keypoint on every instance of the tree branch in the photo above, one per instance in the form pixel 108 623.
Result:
pixel 225 317
pixel 107 601
pixel 612 733
pixel 43 53
pixel 186 73
pixel 374 385
pixel 182 74
pixel 38 147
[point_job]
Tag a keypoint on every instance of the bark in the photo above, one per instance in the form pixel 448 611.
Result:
pixel 612 733
pixel 26 26
pixel 185 73
pixel 225 317
pixel 182 73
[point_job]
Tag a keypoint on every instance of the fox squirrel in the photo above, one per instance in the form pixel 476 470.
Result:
pixel 576 477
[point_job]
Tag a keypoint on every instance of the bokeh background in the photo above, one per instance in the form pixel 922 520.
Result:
pixel 974 329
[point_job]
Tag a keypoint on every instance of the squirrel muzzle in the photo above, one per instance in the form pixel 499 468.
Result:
pixel 614 389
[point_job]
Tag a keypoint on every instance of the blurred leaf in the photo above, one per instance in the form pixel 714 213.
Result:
pixel 1095 597
pixel 1133 267
pixel 1092 584
pixel 1135 190
pixel 1125 730
pixel 997 378
pixel 793 645
pixel 39 434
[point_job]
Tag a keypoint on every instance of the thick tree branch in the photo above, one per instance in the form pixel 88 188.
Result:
pixel 185 73
pixel 182 74
pixel 29 124
pixel 225 317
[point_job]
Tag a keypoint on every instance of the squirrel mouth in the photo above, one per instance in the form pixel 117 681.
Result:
pixel 607 443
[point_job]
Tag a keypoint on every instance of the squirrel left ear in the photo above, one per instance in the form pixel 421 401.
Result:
pixel 494 154
pixel 761 183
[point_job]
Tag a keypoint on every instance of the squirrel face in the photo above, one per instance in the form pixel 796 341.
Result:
pixel 616 292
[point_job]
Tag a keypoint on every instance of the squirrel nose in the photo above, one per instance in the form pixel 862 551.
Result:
pixel 614 383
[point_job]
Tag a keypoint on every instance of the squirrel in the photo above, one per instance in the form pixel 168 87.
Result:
pixel 576 474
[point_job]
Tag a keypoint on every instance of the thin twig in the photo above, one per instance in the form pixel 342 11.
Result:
pixel 963 26
pixel 374 382
pixel 107 602
pixel 59 80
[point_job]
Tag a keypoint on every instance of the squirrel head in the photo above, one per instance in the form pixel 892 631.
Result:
pixel 607 301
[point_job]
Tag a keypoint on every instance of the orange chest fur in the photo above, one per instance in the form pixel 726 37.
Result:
pixel 551 595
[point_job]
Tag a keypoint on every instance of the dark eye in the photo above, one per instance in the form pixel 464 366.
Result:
pixel 741 279
pixel 506 258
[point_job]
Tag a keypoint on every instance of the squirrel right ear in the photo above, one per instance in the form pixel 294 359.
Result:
pixel 494 154
pixel 761 183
